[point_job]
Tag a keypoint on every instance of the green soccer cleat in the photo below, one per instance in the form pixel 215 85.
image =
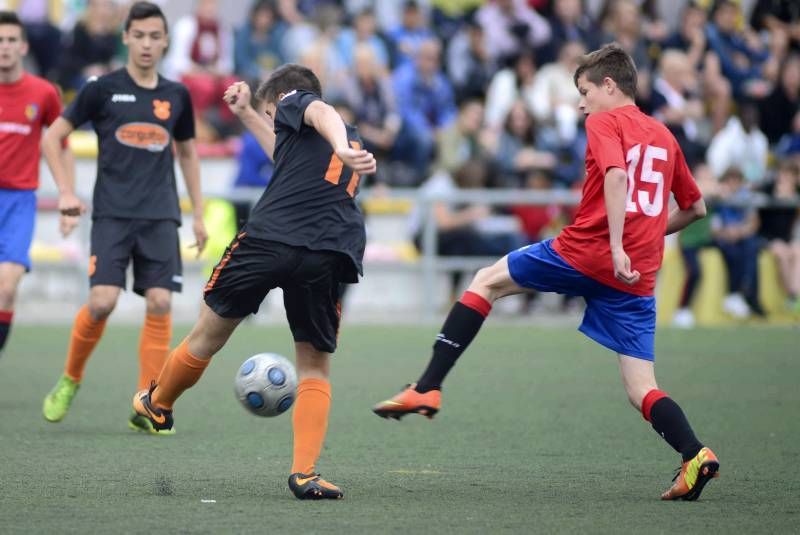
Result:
pixel 57 402
pixel 142 424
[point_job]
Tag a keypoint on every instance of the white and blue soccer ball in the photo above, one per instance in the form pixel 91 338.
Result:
pixel 266 384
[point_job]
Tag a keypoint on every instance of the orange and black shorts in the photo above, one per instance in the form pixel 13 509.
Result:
pixel 251 267
pixel 151 244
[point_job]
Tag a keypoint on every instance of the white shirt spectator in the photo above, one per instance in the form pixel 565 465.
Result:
pixel 733 146
pixel 497 24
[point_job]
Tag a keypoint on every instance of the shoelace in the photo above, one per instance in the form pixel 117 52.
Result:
pixel 677 473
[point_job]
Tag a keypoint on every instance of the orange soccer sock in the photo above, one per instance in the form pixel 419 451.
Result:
pixel 86 332
pixel 180 372
pixel 153 347
pixel 310 422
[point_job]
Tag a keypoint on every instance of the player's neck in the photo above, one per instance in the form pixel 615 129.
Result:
pixel 147 78
pixel 621 103
pixel 9 76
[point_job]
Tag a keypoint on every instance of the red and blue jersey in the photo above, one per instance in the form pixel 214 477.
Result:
pixel 26 106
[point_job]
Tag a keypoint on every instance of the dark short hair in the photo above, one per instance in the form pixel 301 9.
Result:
pixel 10 17
pixel 610 61
pixel 145 10
pixel 288 78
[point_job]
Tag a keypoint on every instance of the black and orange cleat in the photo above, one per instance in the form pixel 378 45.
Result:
pixel 410 401
pixel 693 476
pixel 160 419
pixel 313 487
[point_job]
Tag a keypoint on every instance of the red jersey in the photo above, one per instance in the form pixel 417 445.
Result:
pixel 25 107
pixel 643 147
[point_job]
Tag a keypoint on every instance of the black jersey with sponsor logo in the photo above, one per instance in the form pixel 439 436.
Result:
pixel 135 127
pixel 310 200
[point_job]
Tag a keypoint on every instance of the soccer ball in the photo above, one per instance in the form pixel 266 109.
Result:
pixel 266 384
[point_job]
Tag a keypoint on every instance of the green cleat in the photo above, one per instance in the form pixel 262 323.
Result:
pixel 142 424
pixel 57 402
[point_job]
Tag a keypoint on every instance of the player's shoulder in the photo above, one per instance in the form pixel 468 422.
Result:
pixel 297 95
pixel 39 84
pixel 168 85
pixel 602 118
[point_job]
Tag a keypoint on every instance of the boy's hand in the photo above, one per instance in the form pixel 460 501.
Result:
pixel 359 160
pixel 237 97
pixel 622 267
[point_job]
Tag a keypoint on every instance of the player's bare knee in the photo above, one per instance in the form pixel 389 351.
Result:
pixel 487 283
pixel 101 307
pixel 159 304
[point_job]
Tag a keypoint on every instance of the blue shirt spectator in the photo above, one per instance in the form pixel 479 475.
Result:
pixel 410 35
pixel 257 45
pixel 255 167
pixel 740 62
pixel 363 31
pixel 425 99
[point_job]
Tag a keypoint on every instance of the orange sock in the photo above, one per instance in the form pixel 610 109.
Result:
pixel 179 373
pixel 310 422
pixel 86 332
pixel 153 347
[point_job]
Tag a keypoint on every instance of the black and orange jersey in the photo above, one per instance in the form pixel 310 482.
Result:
pixel 310 200
pixel 135 128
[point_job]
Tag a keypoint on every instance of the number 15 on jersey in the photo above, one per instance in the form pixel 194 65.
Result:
pixel 650 207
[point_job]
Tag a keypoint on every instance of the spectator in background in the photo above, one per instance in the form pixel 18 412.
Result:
pixel 321 54
pixel 511 26
pixel 779 110
pixel 624 24
pixel 370 95
pixel 734 226
pixel 449 16
pixel 778 15
pixel 257 46
pixel 690 38
pixel 426 104
pixel 740 144
pixel 91 48
pixel 514 153
pixel 363 31
pixel 779 226
pixel 469 64
pixel 412 33
pixel 201 57
pixel 461 141
pixel 555 99
pixel 741 53
pixel 538 220
pixel 464 229
pixel 569 23
pixel 675 102
pixel 691 241
pixel 515 82
pixel 40 18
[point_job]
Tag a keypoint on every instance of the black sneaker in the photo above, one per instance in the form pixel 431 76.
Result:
pixel 313 487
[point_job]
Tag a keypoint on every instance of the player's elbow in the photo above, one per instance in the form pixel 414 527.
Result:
pixel 699 209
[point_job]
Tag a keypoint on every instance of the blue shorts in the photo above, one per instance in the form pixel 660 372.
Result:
pixel 17 216
pixel 620 321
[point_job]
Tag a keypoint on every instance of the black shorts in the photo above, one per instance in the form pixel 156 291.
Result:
pixel 251 267
pixel 152 244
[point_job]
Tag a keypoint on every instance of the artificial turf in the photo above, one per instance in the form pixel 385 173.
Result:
pixel 535 435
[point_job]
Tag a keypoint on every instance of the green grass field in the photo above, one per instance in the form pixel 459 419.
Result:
pixel 535 436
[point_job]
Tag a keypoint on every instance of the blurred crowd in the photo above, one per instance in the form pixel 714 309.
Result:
pixel 457 94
